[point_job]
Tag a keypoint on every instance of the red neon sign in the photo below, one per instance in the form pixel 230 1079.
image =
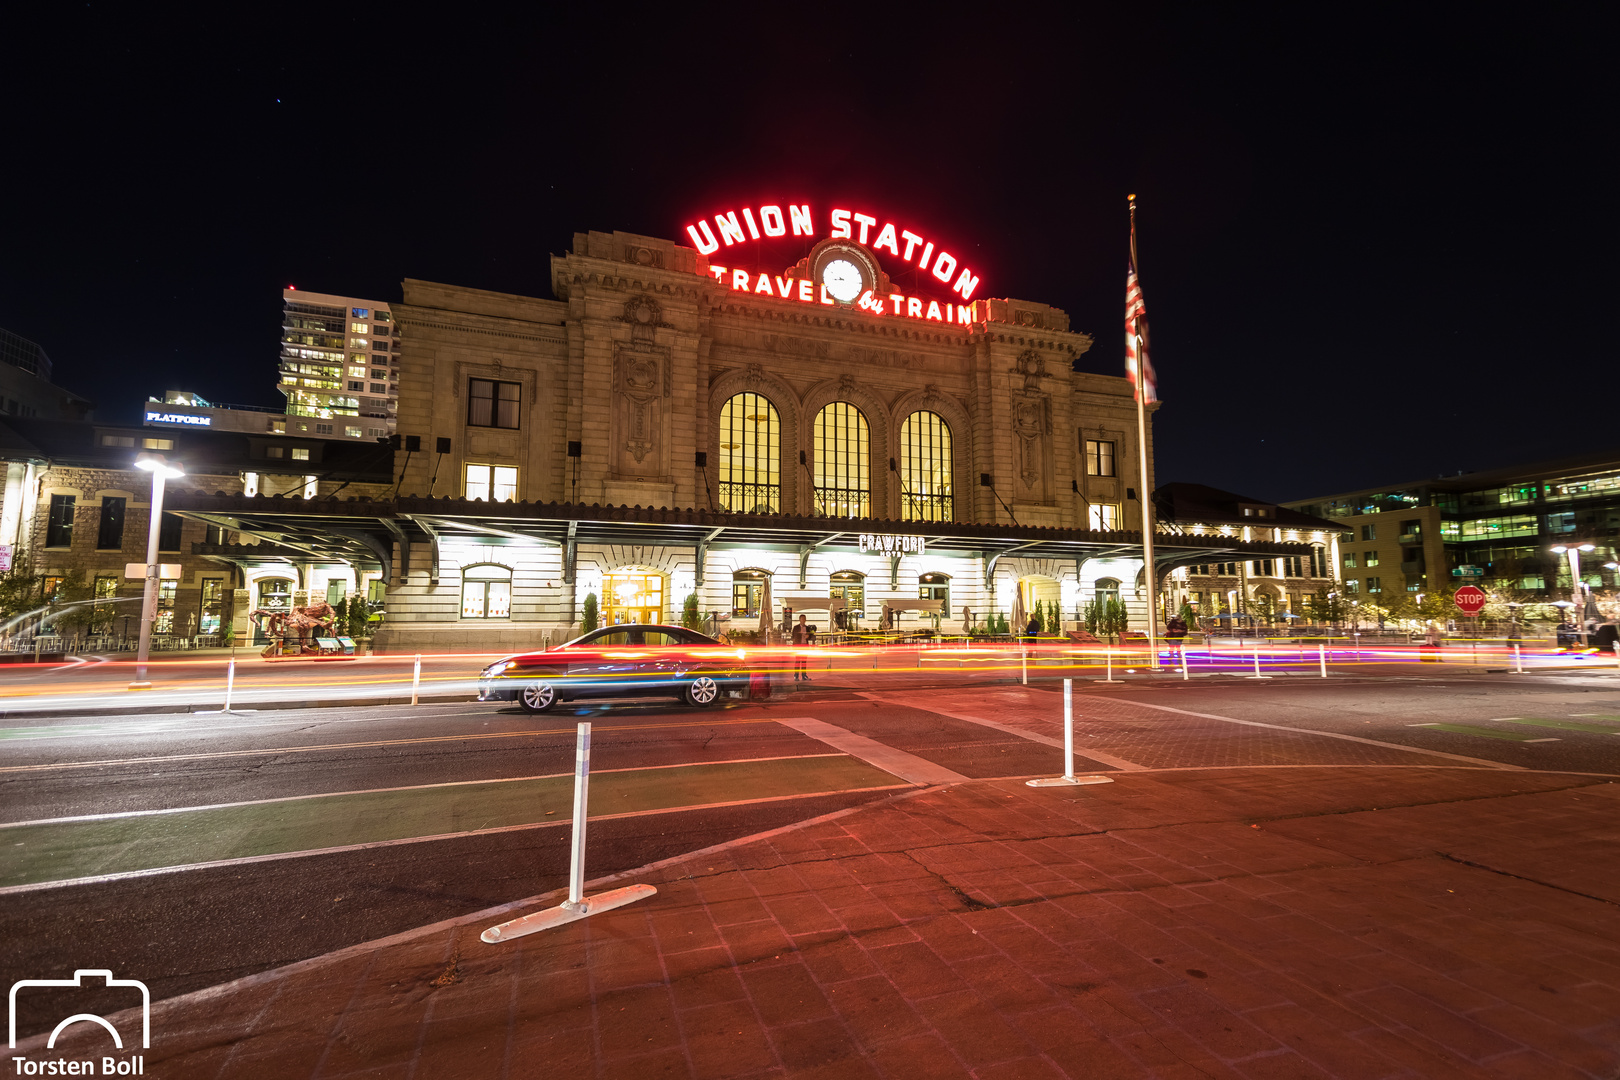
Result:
pixel 805 291
pixel 737 227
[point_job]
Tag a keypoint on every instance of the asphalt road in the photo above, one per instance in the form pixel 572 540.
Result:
pixel 415 791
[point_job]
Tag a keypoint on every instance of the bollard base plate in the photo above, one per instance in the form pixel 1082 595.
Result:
pixel 565 913
pixel 1068 781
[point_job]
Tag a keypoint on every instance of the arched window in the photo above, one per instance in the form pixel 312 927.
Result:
pixel 925 468
pixel 936 587
pixel 486 592
pixel 843 471
pixel 750 456
pixel 1106 588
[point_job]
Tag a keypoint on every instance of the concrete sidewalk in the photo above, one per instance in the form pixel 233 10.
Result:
pixel 1246 922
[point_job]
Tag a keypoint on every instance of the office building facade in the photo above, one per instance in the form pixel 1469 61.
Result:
pixel 340 363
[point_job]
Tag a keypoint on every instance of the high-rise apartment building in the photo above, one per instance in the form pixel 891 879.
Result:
pixel 340 360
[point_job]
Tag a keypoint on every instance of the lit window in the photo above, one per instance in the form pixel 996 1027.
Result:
pixel 747 592
pixel 158 444
pixel 1370 559
pixel 274 452
pixel 357 370
pixel 118 440
pixel 352 432
pixel 750 456
pixel 925 468
pixel 1104 516
pixel 359 328
pixel 489 403
pixel 843 484
pixel 164 621
pixel 494 483
pixel 936 587
pixel 360 312
pixel 376 374
pixel 1350 560
pixel 300 453
pixel 486 592
pixel 278 427
pixel 1099 458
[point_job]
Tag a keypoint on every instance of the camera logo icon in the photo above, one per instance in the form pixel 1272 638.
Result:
pixel 77 983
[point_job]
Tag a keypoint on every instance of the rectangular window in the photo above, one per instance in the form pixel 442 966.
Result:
pixel 359 386
pixel 491 403
pixel 1351 585
pixel 213 603
pixel 1263 568
pixel 1104 515
pixel 1349 560
pixel 1369 532
pixel 169 532
pixel 278 427
pixel 102 613
pixel 323 429
pixel 1370 559
pixel 158 444
pixel 167 587
pixel 110 534
pixel 118 440
pixel 1099 458
pixel 274 452
pixel 1293 566
pixel 214 535
pixel 300 453
pixel 495 483
pixel 352 432
pixel 1375 585
pixel 59 527
pixel 382 388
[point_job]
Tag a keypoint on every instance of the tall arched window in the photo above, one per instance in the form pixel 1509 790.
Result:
pixel 486 592
pixel 925 469
pixel 843 472
pixel 750 456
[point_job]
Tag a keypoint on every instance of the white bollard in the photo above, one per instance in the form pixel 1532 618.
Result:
pixel 1023 663
pixel 230 683
pixel 1257 674
pixel 1518 660
pixel 1108 654
pixel 1068 777
pixel 416 681
pixel 576 906
pixel 1184 675
pixel 1321 654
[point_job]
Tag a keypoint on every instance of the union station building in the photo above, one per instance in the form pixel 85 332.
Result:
pixel 702 420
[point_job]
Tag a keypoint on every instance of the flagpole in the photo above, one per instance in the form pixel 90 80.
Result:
pixel 1148 573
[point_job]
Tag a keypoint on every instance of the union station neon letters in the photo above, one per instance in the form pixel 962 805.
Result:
pixel 843 224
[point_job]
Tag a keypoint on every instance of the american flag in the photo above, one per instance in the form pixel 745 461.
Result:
pixel 1136 328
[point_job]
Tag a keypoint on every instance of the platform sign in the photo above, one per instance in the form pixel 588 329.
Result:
pixel 1470 600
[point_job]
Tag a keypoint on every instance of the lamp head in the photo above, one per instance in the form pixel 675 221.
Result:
pixel 157 463
pixel 1559 549
pixel 1587 547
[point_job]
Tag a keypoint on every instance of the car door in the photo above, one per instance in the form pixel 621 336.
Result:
pixel 593 664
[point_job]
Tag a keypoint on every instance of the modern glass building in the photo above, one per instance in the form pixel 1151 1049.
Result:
pixel 1497 528
pixel 340 362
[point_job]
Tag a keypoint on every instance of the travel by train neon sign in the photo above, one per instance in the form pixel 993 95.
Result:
pixel 838 280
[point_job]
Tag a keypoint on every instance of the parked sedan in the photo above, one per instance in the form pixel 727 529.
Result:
pixel 619 661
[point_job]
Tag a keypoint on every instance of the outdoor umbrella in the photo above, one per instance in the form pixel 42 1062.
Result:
pixel 765 610
pixel 1019 618
pixel 1592 612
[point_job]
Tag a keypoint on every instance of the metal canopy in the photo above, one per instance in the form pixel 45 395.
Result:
pixel 356 530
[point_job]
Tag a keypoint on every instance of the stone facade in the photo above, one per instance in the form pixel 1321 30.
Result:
pixel 630 366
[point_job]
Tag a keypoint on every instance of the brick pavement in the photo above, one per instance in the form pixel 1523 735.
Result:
pixel 1310 922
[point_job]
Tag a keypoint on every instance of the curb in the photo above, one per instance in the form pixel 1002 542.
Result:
pixel 215 707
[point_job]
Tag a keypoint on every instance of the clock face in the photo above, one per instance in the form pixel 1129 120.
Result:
pixel 842 279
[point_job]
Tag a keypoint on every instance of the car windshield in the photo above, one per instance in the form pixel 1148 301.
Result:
pixel 639 635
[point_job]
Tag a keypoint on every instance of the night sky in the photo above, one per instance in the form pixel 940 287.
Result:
pixel 1372 250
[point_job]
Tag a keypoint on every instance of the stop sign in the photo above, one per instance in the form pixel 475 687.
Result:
pixel 1470 599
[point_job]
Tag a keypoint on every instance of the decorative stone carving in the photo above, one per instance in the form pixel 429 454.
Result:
pixel 1032 366
pixel 846 384
pixel 645 316
pixel 641 380
pixel 755 376
pixel 1030 417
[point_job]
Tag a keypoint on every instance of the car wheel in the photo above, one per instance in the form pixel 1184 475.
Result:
pixel 537 697
pixel 702 691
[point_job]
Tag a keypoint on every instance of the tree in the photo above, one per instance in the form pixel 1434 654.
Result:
pixel 589 622
pixel 1186 614
pixel 1094 616
pixel 690 618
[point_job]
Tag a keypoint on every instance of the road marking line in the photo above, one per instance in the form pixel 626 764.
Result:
pixel 1046 740
pixel 125 875
pixel 1334 735
pixel 425 740
pixel 906 766
pixel 1480 733
pixel 1564 725
pixel 386 790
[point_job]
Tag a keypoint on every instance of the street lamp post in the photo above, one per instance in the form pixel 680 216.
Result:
pixel 1574 553
pixel 161 469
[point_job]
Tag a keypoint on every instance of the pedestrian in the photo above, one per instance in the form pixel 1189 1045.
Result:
pixel 804 636
pixel 1032 629
pixel 1175 632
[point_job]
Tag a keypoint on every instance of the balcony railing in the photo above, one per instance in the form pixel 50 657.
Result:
pixel 750 498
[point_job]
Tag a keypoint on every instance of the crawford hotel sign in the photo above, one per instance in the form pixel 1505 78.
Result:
pixel 838 273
